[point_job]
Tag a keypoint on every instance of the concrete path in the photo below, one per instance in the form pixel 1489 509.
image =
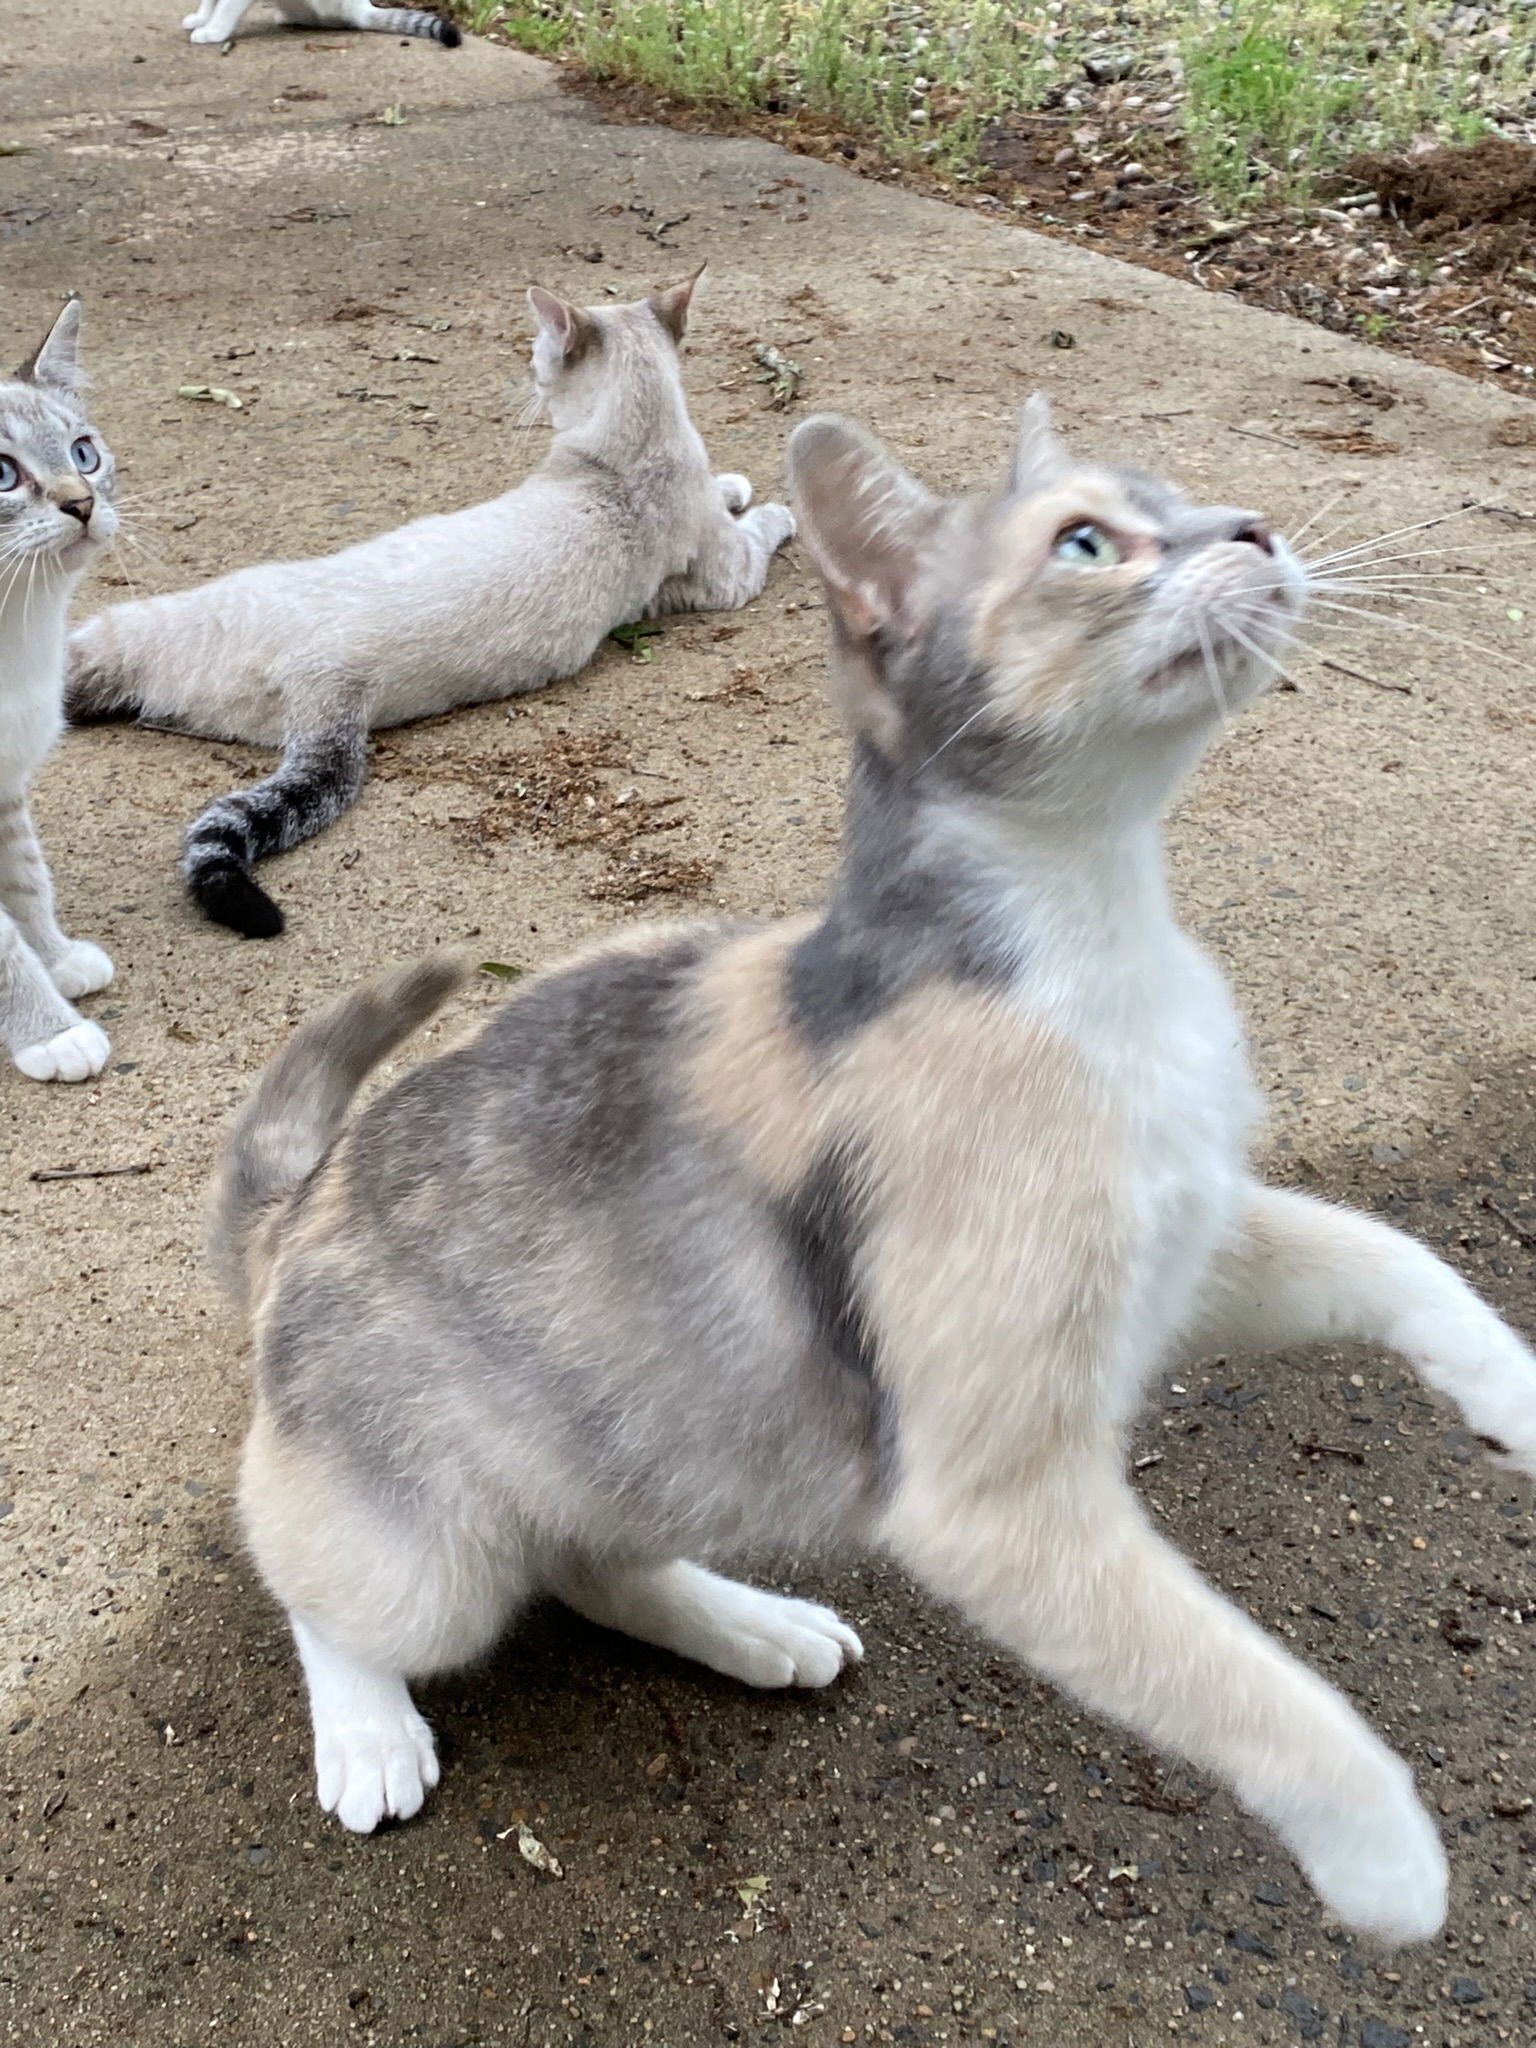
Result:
pixel 950 1854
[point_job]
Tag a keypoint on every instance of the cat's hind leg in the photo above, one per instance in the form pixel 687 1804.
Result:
pixel 322 771
pixel 761 1638
pixel 377 1593
pixel 1305 1272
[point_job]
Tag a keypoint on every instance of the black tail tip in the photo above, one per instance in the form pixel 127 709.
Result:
pixel 231 898
pixel 449 35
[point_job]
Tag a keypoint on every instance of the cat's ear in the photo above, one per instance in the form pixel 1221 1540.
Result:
pixel 57 361
pixel 869 527
pixel 567 328
pixel 1039 460
pixel 670 304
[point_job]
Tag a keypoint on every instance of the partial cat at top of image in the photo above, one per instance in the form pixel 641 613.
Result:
pixel 622 520
pixel 870 1228
pixel 56 517
pixel 216 21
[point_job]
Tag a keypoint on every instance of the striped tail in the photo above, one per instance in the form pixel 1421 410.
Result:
pixel 414 21
pixel 319 777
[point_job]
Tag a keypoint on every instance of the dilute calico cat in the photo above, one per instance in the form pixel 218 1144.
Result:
pixel 621 520
pixel 869 1228
pixel 56 516
pixel 215 21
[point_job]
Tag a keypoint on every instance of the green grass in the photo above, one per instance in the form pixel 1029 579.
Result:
pixel 1272 94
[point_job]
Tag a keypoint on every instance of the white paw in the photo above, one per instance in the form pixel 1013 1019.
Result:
pixel 191 21
pixel 774 524
pixel 766 1640
pixel 209 35
pixel 375 1765
pixel 736 491
pixel 80 970
pixel 1380 1869
pixel 1488 1371
pixel 77 1054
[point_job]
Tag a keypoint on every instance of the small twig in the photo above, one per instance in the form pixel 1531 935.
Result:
pixel 1342 669
pixel 89 1172
pixel 1315 1449
pixel 1526 1236
pixel 1152 1458
pixel 1182 413
pixel 659 233
pixel 1258 434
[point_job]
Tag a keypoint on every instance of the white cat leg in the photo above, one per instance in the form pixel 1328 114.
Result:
pixel 1067 1573
pixel 761 1638
pixel 374 1754
pixel 75 966
pixel 47 1039
pixel 221 21
pixel 1307 1273
pixel 199 16
pixel 731 566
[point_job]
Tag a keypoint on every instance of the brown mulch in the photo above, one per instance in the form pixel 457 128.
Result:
pixel 1433 256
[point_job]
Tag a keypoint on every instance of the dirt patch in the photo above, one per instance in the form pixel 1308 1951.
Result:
pixel 1481 185
pixel 576 789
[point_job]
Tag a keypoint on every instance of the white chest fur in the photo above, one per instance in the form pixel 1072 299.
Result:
pixel 1107 968
pixel 31 682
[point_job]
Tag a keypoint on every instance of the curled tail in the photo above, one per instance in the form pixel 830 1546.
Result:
pixel 414 21
pixel 319 777
pixel 291 1119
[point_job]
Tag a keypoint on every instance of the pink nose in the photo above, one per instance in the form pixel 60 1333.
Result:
pixel 1259 532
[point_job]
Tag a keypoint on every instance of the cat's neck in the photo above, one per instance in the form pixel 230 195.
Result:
pixel 1068 912
pixel 640 419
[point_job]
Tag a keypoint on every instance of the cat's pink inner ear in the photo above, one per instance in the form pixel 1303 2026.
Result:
pixel 567 325
pixel 670 304
pixel 57 360
pixel 866 522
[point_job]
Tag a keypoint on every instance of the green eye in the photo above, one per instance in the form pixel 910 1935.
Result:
pixel 1086 546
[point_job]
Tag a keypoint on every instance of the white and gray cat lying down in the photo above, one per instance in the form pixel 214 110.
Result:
pixel 622 520
pixel 865 1229
pixel 215 21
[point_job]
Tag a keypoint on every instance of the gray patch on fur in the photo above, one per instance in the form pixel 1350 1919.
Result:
pixel 902 914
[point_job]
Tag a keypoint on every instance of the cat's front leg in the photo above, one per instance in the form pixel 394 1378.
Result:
pixel 47 1040
pixel 1305 1272
pixel 199 15
pixel 75 966
pixel 220 22
pixel 1063 1568
pixel 731 565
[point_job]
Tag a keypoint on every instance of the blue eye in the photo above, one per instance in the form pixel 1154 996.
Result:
pixel 10 475
pixel 86 456
pixel 1086 546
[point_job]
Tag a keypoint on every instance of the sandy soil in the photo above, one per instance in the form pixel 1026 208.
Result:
pixel 939 1851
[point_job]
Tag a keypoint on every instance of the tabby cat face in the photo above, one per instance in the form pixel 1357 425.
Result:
pixel 1084 610
pixel 56 472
